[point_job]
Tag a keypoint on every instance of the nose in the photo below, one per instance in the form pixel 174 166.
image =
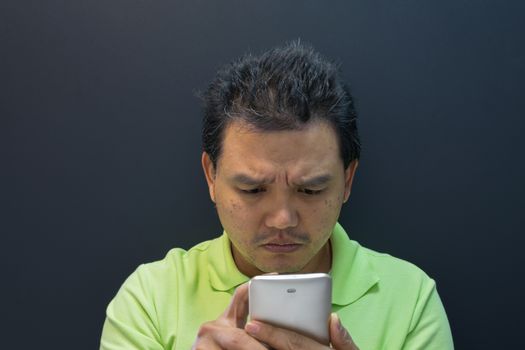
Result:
pixel 281 215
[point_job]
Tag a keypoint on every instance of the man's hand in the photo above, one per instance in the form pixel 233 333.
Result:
pixel 282 339
pixel 227 331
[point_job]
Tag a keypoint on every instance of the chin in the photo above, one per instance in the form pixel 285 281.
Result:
pixel 281 269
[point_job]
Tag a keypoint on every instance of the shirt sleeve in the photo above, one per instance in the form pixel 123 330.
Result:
pixel 429 328
pixel 131 321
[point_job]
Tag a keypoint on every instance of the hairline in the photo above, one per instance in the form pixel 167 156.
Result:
pixel 245 124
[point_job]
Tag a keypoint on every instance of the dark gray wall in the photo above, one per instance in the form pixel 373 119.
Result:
pixel 100 146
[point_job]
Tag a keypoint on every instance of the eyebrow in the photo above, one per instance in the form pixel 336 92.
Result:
pixel 316 181
pixel 250 181
pixel 309 182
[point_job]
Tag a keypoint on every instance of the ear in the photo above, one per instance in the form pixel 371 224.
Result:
pixel 349 178
pixel 209 173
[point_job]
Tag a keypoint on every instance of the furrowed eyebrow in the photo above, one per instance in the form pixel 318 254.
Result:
pixel 248 180
pixel 251 181
pixel 316 181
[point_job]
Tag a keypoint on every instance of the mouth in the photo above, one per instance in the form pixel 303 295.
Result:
pixel 281 247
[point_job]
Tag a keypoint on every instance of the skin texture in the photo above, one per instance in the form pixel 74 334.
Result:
pixel 278 196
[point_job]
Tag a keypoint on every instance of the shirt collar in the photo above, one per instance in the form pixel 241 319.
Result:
pixel 224 274
pixel 352 273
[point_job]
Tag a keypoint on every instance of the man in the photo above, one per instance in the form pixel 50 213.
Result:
pixel 280 152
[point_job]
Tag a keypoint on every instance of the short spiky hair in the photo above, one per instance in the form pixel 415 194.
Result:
pixel 282 89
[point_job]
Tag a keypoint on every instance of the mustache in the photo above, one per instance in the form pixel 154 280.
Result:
pixel 297 237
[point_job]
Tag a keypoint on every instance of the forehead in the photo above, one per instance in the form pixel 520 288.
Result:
pixel 311 149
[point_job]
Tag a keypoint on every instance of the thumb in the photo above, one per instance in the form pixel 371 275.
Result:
pixel 339 336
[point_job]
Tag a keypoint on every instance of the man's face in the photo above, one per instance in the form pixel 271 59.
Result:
pixel 278 196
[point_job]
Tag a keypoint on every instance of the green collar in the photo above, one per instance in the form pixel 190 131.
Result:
pixel 224 274
pixel 352 273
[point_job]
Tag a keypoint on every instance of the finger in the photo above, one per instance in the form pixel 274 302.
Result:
pixel 339 336
pixel 237 311
pixel 205 339
pixel 279 338
pixel 237 339
pixel 205 344
pixel 213 337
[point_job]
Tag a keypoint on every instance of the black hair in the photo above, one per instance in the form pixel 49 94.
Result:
pixel 285 88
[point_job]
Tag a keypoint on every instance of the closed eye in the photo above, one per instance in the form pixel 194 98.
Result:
pixel 309 191
pixel 258 190
pixel 253 190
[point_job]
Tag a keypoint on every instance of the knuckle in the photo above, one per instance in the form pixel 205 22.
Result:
pixel 294 342
pixel 198 346
pixel 215 333
pixel 235 341
pixel 200 341
pixel 204 329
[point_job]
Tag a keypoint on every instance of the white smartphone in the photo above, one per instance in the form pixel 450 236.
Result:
pixel 300 302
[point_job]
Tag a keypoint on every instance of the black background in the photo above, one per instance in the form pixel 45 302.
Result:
pixel 100 146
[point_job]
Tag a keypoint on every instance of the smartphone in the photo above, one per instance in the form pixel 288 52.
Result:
pixel 299 302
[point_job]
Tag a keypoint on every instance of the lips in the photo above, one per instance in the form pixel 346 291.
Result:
pixel 281 247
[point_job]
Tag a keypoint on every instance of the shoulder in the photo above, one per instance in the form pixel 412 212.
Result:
pixel 361 264
pixel 396 272
pixel 402 285
pixel 391 269
pixel 409 288
pixel 155 283
pixel 176 261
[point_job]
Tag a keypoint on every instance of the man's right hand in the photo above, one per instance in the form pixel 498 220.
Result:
pixel 227 332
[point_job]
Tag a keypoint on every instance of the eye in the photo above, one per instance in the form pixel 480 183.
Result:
pixel 309 191
pixel 253 190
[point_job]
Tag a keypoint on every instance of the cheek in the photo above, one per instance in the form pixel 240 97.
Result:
pixel 325 214
pixel 333 204
pixel 234 215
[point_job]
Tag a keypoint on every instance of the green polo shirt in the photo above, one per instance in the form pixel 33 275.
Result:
pixel 384 302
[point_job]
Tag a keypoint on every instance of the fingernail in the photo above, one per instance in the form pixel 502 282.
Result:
pixel 251 328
